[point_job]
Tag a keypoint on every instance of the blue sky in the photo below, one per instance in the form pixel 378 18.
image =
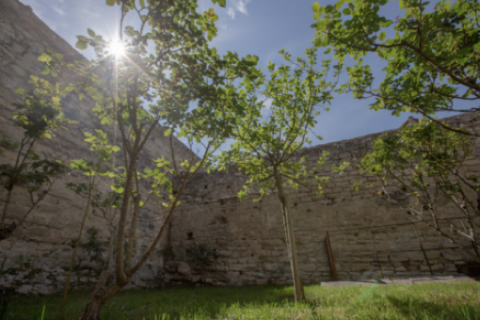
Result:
pixel 260 27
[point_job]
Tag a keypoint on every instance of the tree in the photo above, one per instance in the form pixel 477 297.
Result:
pixel 39 115
pixel 94 171
pixel 266 146
pixel 432 61
pixel 421 170
pixel 137 90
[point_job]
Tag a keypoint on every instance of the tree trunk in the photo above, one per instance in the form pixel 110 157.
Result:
pixel 74 255
pixel 94 309
pixel 99 297
pixel 5 207
pixel 290 237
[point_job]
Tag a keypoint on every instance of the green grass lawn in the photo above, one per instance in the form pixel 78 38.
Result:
pixel 420 301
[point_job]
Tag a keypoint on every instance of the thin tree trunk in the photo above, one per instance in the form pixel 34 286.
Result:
pixel 132 232
pixel 5 207
pixel 74 255
pixel 121 277
pixel 290 237
pixel 99 297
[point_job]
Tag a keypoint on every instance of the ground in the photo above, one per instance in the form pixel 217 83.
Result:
pixel 451 299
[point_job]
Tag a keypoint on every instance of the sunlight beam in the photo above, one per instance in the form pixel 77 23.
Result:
pixel 117 48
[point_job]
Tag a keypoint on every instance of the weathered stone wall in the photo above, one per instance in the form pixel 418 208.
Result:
pixel 248 237
pixel 45 237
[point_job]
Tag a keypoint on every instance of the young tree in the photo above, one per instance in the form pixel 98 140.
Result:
pixel 266 146
pixel 39 115
pixel 94 171
pixel 432 61
pixel 419 168
pixel 165 67
pixel 431 65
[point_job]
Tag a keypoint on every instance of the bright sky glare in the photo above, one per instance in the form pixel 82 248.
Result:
pixel 259 27
pixel 117 48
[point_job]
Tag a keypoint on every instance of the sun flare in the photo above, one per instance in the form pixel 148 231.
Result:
pixel 117 48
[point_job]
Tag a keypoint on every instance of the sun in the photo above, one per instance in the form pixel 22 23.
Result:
pixel 117 48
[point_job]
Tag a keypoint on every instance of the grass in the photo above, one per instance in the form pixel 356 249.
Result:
pixel 420 301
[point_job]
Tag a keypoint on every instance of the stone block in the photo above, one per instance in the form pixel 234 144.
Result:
pixel 452 255
pixel 183 268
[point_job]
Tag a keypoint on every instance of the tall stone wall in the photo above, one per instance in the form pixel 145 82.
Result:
pixel 46 236
pixel 247 237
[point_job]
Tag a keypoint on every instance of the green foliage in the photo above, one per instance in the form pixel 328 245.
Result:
pixel 93 248
pixel 431 59
pixel 221 3
pixel 183 70
pixel 104 152
pixel 272 131
pixel 40 113
pixel 418 152
pixel 165 68
pixel 420 166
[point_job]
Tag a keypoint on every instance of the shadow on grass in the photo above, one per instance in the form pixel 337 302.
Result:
pixel 421 309
pixel 173 304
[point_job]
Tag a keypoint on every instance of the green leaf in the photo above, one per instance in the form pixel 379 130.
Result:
pixel 82 38
pixel 142 3
pixel 315 6
pixel 81 45
pixel 317 16
pixel 117 189
pixel 339 5
pixel 91 33
pixel 44 57
pixel 347 11
pixel 167 132
pixel 382 36
pixel 322 25
pixel 110 3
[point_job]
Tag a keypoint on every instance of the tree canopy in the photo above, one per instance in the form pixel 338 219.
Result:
pixel 432 56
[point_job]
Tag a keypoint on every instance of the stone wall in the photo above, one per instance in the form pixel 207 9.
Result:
pixel 45 237
pixel 248 237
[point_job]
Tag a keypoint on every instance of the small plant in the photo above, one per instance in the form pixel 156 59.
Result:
pixel 93 249
pixel 93 246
